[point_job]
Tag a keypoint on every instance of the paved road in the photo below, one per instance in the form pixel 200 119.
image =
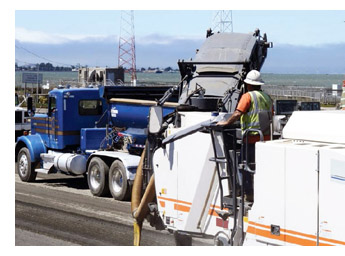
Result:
pixel 60 210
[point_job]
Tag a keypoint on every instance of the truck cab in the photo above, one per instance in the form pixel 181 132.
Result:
pixel 69 110
pixel 56 135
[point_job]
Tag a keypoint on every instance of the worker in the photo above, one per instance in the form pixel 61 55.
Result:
pixel 247 110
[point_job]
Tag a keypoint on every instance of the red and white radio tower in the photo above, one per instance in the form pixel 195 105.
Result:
pixel 126 57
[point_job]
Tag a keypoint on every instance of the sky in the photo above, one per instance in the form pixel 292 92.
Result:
pixel 305 41
pixel 308 28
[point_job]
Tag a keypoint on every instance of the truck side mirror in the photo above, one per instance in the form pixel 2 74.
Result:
pixel 155 119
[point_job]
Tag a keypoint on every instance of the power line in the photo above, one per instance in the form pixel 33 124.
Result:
pixel 38 56
pixel 27 63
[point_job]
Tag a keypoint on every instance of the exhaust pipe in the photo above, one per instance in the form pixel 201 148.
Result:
pixel 139 206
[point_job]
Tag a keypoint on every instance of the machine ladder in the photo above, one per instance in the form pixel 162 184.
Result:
pixel 226 161
pixel 230 157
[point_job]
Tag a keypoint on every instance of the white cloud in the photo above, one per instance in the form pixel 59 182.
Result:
pixel 30 36
pixel 24 35
pixel 157 39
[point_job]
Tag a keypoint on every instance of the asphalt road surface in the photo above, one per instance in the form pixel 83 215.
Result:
pixel 60 210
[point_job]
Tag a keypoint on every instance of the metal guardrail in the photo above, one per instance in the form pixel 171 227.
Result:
pixel 320 94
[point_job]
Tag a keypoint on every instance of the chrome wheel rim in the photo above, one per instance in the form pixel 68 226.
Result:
pixel 23 165
pixel 95 177
pixel 117 181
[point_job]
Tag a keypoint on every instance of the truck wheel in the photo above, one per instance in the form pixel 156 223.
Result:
pixel 26 169
pixel 97 174
pixel 182 239
pixel 118 184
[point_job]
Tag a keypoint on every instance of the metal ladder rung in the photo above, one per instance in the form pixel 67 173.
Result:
pixel 219 160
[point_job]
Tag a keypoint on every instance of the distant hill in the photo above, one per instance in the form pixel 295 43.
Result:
pixel 281 58
pixel 323 59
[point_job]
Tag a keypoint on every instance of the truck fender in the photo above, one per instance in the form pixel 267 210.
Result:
pixel 129 161
pixel 35 145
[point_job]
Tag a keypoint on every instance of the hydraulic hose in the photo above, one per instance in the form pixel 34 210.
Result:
pixel 139 206
pixel 143 209
pixel 137 185
pixel 136 198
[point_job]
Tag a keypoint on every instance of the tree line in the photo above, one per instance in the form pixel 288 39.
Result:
pixel 42 67
pixel 157 68
pixel 50 67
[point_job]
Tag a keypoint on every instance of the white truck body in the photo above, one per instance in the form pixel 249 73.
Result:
pixel 299 184
pixel 22 122
pixel 186 181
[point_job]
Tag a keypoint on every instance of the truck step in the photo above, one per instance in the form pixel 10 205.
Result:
pixel 42 170
pixel 49 158
pixel 48 161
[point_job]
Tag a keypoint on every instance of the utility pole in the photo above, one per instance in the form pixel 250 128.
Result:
pixel 222 21
pixel 126 56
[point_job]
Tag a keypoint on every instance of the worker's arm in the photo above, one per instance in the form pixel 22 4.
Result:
pixel 241 108
pixel 233 118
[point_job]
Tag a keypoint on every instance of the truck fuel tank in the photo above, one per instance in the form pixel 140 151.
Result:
pixel 72 163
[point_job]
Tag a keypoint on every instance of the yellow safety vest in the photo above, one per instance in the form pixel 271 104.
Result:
pixel 259 101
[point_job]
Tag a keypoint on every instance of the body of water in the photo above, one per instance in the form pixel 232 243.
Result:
pixel 310 80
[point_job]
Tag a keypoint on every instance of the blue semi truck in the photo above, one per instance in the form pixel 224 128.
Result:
pixel 96 132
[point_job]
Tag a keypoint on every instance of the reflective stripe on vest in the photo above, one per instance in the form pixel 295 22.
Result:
pixel 259 101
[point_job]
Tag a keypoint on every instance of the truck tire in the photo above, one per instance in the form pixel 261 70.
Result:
pixel 97 177
pixel 118 184
pixel 182 239
pixel 26 169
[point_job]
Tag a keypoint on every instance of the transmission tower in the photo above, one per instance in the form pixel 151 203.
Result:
pixel 126 56
pixel 222 21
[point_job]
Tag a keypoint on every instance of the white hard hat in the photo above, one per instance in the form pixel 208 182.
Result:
pixel 254 78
